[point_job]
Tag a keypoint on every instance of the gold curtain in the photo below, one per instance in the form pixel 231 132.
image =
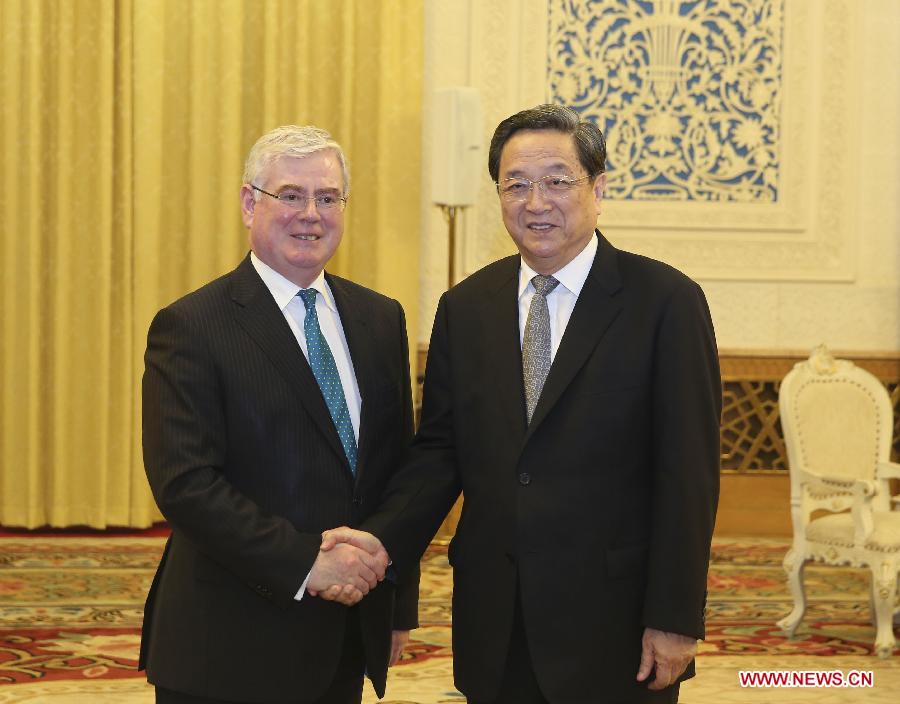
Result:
pixel 124 125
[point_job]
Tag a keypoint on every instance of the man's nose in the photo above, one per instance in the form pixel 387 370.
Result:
pixel 309 211
pixel 536 200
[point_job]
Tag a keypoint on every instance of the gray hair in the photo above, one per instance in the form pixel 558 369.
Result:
pixel 291 141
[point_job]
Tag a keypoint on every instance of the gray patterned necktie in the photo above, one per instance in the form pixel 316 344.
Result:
pixel 536 342
pixel 323 366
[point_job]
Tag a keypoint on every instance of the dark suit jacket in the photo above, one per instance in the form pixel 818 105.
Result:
pixel 247 467
pixel 602 510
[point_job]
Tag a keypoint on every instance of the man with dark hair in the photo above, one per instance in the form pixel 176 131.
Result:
pixel 276 404
pixel 590 147
pixel 572 393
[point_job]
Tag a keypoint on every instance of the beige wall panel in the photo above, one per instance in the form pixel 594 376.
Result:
pixel 744 313
pixel 820 265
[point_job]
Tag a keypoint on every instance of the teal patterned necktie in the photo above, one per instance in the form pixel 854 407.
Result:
pixel 325 370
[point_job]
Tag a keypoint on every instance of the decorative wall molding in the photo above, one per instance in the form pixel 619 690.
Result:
pixel 752 442
pixel 508 67
pixel 803 230
pixel 688 93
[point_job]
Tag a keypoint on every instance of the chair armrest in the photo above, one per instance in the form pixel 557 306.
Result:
pixel 887 470
pixel 860 487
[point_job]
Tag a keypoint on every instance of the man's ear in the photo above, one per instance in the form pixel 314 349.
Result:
pixel 599 188
pixel 248 204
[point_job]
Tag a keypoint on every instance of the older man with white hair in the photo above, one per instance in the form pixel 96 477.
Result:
pixel 276 404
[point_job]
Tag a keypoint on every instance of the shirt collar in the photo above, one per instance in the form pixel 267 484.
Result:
pixel 283 290
pixel 572 276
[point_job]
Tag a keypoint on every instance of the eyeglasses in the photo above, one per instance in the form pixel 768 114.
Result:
pixel 513 190
pixel 298 201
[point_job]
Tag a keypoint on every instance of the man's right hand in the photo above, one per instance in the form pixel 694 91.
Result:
pixel 352 569
pixel 358 538
pixel 348 592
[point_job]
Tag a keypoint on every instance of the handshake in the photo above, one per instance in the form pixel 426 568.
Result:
pixel 349 564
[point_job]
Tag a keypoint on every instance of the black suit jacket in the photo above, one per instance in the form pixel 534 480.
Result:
pixel 247 467
pixel 601 510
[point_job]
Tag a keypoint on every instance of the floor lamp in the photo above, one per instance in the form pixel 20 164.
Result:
pixel 456 139
pixel 450 214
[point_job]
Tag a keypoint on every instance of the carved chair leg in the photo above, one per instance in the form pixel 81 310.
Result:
pixel 873 608
pixel 897 605
pixel 884 594
pixel 793 567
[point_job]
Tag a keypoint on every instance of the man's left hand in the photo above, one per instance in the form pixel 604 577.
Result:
pixel 670 652
pixel 348 594
pixel 399 639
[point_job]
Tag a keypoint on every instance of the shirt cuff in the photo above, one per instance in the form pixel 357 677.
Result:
pixel 299 595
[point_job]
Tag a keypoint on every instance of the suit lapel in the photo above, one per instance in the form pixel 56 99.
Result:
pixel 595 310
pixel 504 353
pixel 357 331
pixel 257 313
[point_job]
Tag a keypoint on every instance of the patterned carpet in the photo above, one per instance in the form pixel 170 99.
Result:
pixel 70 613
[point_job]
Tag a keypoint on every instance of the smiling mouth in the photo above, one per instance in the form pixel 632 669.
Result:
pixel 540 226
pixel 306 238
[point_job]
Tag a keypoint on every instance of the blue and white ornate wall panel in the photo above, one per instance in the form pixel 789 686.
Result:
pixel 688 92
pixel 722 119
pixel 816 257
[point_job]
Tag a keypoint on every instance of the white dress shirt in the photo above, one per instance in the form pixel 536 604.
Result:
pixel 285 294
pixel 561 300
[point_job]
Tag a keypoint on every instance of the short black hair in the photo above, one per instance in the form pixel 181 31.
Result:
pixel 589 141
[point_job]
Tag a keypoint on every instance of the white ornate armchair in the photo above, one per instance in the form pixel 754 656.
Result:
pixel 838 422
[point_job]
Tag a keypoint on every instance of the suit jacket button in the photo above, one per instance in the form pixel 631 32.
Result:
pixel 524 479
